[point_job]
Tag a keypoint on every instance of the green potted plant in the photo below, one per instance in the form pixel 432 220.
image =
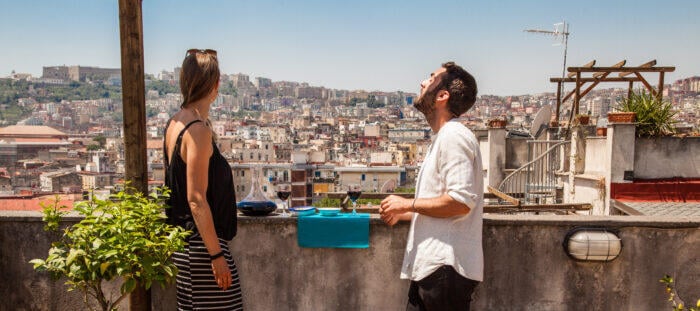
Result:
pixel 123 238
pixel 654 116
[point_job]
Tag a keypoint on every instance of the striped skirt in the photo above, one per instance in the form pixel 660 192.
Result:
pixel 196 286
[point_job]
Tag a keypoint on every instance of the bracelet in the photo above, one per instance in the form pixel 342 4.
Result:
pixel 413 205
pixel 217 255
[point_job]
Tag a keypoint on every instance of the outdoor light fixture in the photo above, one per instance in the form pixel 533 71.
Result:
pixel 592 244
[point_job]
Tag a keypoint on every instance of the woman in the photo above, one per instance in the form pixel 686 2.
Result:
pixel 202 197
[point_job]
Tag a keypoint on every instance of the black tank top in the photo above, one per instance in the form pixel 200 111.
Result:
pixel 220 192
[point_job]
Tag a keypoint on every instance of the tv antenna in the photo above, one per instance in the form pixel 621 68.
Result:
pixel 561 34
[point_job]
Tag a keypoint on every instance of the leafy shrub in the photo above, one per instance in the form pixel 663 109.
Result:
pixel 327 202
pixel 125 237
pixel 673 297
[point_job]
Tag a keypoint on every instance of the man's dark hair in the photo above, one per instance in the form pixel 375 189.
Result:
pixel 461 86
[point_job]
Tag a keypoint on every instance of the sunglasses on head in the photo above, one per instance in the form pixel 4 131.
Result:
pixel 195 51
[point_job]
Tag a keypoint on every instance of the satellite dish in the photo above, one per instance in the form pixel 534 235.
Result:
pixel 540 123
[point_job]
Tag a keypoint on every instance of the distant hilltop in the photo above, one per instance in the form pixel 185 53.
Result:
pixel 80 73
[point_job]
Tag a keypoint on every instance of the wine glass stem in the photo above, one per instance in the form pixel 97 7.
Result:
pixel 354 206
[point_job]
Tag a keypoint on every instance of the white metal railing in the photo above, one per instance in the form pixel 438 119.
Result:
pixel 536 180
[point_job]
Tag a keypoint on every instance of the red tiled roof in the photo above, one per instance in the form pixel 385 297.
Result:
pixel 37 140
pixel 30 204
pixel 31 130
pixel 154 144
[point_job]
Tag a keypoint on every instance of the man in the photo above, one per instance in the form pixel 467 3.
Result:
pixel 444 257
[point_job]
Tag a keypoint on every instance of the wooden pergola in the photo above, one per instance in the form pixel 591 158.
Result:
pixel 603 74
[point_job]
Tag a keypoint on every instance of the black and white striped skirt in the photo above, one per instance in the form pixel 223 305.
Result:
pixel 196 285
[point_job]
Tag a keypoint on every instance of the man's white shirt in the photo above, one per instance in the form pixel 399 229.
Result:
pixel 453 166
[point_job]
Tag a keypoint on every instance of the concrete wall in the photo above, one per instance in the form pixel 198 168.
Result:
pixel 526 267
pixel 595 155
pixel 22 239
pixel 587 189
pixel 667 157
pixel 516 152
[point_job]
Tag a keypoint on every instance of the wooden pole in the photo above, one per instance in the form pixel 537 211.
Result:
pixel 661 86
pixel 577 99
pixel 556 114
pixel 629 90
pixel 134 102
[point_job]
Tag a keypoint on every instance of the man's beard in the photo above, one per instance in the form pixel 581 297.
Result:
pixel 426 103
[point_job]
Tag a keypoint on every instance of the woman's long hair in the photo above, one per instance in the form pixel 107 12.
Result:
pixel 198 76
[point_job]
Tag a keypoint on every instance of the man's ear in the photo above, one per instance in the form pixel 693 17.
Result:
pixel 442 96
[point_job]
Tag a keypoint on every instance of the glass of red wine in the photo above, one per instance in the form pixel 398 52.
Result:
pixel 283 192
pixel 354 192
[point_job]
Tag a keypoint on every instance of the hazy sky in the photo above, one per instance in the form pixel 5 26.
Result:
pixel 361 44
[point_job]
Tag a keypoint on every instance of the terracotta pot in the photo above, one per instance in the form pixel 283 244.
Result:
pixel 583 120
pixel 601 131
pixel 621 117
pixel 499 124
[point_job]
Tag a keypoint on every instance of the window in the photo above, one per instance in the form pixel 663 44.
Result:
pixel 243 173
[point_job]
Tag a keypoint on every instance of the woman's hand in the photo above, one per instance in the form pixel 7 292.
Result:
pixel 222 274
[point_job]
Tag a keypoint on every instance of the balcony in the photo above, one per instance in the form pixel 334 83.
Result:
pixel 526 267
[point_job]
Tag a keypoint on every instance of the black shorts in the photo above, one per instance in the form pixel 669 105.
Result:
pixel 444 289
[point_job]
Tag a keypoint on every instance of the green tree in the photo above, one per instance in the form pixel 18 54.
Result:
pixel 100 139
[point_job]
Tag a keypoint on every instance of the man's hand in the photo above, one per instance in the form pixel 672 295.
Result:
pixel 395 208
pixel 395 204
pixel 390 219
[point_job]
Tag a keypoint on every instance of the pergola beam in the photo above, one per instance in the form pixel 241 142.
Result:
pixel 644 81
pixel 648 64
pixel 606 79
pixel 621 69
pixel 587 65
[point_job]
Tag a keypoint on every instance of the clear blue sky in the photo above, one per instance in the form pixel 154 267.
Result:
pixel 361 44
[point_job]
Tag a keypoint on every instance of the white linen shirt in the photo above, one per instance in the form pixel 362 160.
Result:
pixel 453 166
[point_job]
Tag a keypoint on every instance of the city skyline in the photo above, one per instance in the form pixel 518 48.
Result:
pixel 385 46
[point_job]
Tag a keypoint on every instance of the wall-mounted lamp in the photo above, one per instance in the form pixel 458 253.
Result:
pixel 592 244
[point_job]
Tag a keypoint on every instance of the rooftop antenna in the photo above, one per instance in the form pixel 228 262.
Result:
pixel 561 34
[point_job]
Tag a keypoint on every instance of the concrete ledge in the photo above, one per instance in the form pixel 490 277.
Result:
pixel 489 219
pixel 525 266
